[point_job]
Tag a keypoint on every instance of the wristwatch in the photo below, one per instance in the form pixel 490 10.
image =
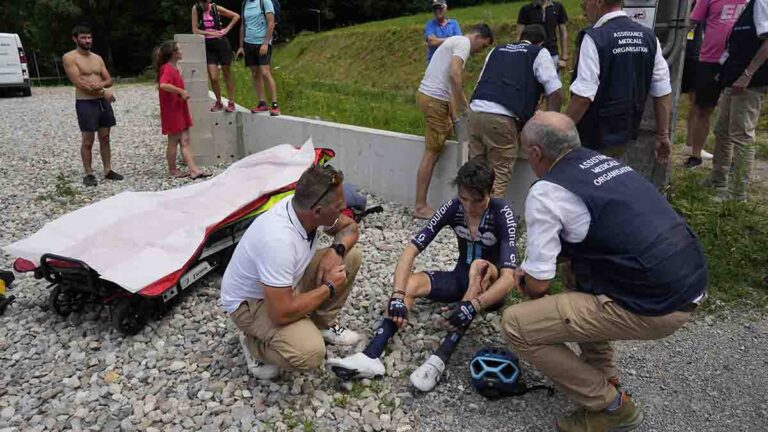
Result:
pixel 340 249
pixel 331 289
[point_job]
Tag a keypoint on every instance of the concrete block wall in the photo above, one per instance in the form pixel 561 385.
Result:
pixel 382 162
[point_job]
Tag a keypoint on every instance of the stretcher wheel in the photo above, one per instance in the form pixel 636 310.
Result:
pixel 65 301
pixel 129 316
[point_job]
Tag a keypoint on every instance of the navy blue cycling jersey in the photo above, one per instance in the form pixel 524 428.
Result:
pixel 495 241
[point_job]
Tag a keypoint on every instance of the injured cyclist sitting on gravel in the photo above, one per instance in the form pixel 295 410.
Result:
pixel 485 229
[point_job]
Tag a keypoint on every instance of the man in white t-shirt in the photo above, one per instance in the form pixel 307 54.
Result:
pixel 442 100
pixel 284 293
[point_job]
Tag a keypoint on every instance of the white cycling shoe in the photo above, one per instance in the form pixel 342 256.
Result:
pixel 705 155
pixel 356 366
pixel 427 375
pixel 340 335
pixel 258 368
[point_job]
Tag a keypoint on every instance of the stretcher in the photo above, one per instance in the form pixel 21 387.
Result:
pixel 136 252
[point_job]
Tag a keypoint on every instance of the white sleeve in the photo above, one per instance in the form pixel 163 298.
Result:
pixel 660 84
pixel 761 18
pixel 545 72
pixel 276 266
pixel 551 213
pixel 588 74
pixel 461 48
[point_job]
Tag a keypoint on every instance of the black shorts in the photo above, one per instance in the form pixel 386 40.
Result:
pixel 252 57
pixel 708 89
pixel 689 76
pixel 218 51
pixel 448 286
pixel 94 114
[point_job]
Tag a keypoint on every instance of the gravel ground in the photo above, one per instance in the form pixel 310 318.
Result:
pixel 185 371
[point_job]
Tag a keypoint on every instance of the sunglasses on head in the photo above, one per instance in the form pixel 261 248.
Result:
pixel 335 180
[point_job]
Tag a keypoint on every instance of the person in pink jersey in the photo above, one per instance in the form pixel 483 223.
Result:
pixel 717 17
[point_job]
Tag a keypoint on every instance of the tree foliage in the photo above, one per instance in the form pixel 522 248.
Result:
pixel 125 31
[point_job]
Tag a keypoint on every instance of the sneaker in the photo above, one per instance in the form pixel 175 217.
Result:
pixel 356 366
pixel 217 106
pixel 340 335
pixel 705 155
pixel 90 180
pixel 427 375
pixel 626 418
pixel 230 107
pixel 111 175
pixel 275 110
pixel 257 368
pixel 260 108
pixel 692 162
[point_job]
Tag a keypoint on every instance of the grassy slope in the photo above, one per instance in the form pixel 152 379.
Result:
pixel 367 75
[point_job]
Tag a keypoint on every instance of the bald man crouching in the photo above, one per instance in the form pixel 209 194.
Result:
pixel 639 272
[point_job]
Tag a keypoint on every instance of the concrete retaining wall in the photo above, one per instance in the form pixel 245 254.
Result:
pixel 385 163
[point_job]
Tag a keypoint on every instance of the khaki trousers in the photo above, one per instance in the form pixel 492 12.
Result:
pixel 735 140
pixel 496 137
pixel 298 345
pixel 438 124
pixel 539 329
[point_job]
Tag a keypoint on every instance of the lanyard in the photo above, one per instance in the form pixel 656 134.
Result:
pixel 310 237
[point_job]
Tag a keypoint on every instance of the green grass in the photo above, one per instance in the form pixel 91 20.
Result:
pixel 367 75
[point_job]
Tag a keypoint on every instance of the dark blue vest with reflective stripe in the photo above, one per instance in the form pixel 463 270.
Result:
pixel 638 250
pixel 627 53
pixel 508 79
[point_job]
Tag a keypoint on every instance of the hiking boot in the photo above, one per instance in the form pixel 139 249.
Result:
pixel 111 175
pixel 217 106
pixel 692 162
pixel 260 108
pixel 626 417
pixel 340 335
pixel 256 367
pixel 90 180
pixel 275 110
pixel 230 107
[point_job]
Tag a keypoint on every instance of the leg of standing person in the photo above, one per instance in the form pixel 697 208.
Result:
pixel 723 153
pixel 258 83
pixel 213 74
pixel 105 150
pixel 437 127
pixel 269 82
pixel 707 94
pixel 170 155
pixel 501 134
pixel 230 82
pixel 745 109
pixel 186 154
pixel 86 151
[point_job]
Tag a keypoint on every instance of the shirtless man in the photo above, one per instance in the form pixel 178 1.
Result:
pixel 93 101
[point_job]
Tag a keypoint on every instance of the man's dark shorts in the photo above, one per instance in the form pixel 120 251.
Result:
pixel 218 51
pixel 708 89
pixel 448 286
pixel 252 57
pixel 94 114
pixel 689 76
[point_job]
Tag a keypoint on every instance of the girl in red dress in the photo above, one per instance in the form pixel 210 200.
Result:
pixel 174 110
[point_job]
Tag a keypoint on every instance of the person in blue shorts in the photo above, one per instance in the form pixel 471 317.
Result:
pixel 485 229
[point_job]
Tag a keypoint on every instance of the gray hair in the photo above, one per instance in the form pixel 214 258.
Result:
pixel 554 141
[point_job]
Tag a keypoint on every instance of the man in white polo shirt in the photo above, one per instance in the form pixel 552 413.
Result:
pixel 441 100
pixel 284 293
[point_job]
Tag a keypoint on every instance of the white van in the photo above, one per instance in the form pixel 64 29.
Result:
pixel 14 73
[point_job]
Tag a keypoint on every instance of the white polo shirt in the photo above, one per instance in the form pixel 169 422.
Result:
pixel 761 18
pixel 274 251
pixel 543 69
pixel 588 75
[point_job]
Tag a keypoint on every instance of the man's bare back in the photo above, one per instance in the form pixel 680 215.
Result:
pixel 88 73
